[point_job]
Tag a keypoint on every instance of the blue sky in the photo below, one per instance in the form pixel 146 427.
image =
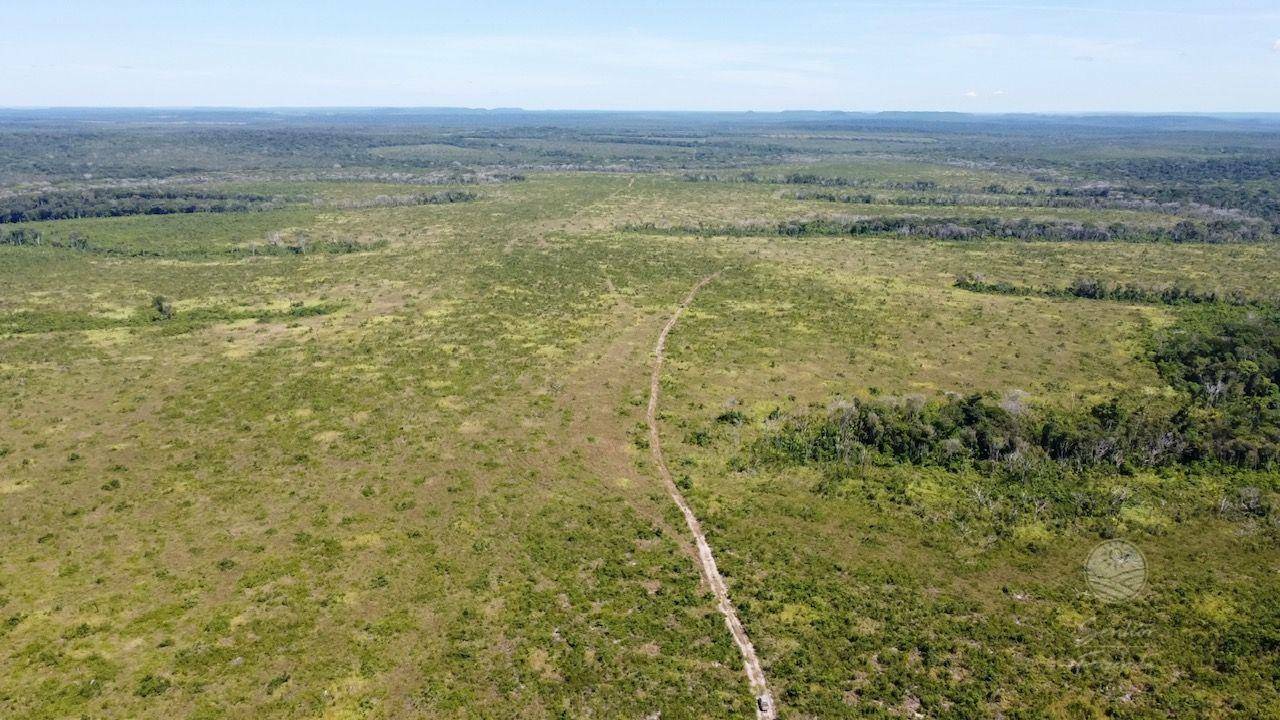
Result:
pixel 1051 55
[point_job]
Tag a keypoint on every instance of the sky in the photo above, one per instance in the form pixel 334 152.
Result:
pixel 1010 56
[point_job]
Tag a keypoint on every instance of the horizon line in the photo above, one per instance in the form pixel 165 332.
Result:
pixel 738 111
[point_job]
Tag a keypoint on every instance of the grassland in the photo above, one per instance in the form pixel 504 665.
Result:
pixel 411 478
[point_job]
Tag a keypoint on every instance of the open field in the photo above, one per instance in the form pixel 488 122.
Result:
pixel 355 453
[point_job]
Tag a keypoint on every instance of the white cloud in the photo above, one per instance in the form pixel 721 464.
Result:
pixel 971 94
pixel 1276 46
pixel 998 92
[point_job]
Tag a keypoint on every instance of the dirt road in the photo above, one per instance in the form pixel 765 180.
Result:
pixel 706 561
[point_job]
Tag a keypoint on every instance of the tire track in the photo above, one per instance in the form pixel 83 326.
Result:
pixel 706 560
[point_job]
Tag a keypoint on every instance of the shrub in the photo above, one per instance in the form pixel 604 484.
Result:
pixel 151 685
pixel 163 307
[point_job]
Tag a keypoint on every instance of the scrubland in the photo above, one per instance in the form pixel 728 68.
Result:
pixel 338 454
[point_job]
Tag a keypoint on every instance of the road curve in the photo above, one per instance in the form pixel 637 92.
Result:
pixel 706 561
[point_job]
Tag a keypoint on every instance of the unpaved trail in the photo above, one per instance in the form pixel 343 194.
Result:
pixel 706 561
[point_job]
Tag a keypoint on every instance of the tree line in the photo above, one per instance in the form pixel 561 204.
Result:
pixel 1097 289
pixel 1225 365
pixel 974 228
pixel 444 197
pixel 116 202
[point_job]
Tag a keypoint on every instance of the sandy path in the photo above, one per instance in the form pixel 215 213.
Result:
pixel 706 561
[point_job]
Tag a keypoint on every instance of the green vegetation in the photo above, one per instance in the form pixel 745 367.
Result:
pixel 1054 463
pixel 375 447
pixel 1094 289
pixel 108 202
pixel 972 228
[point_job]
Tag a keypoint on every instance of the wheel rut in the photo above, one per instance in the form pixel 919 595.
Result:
pixel 706 559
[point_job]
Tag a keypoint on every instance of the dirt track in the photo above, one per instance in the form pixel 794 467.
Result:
pixel 706 561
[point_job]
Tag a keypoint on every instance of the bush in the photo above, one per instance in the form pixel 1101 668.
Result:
pixel 151 685
pixel 163 307
pixel 20 237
